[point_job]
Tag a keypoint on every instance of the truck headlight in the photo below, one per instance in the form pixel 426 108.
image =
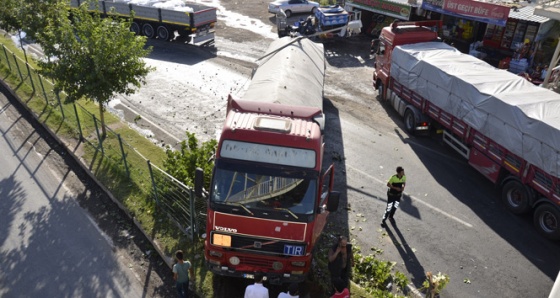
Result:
pixel 215 253
pixel 298 264
pixel 234 261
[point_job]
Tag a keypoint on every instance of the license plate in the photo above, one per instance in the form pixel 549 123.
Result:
pixel 249 276
pixel 294 250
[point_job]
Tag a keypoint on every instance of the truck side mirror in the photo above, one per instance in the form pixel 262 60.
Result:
pixel 334 198
pixel 198 182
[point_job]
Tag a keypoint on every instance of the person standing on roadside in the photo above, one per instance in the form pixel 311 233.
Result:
pixel 396 187
pixel 256 290
pixel 340 260
pixel 182 270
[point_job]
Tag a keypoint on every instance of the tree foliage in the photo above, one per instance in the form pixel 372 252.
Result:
pixel 27 15
pixel 90 56
pixel 10 14
pixel 182 163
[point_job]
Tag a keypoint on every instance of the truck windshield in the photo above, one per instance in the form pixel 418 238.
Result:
pixel 254 188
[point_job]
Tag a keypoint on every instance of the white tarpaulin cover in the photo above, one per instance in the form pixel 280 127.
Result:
pixel 523 118
pixel 292 72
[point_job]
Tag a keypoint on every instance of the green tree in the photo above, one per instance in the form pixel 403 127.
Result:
pixel 9 13
pixel 182 164
pixel 92 57
pixel 29 16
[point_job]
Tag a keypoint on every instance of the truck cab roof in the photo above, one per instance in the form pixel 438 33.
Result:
pixel 400 33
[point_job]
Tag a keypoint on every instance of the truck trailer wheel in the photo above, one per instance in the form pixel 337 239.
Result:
pixel 148 30
pixel 409 121
pixel 163 33
pixel 547 220
pixel 134 27
pixel 516 197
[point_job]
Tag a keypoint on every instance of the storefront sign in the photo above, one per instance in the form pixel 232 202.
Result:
pixel 468 9
pixel 397 10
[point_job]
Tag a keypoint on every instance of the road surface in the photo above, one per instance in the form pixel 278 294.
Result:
pixel 49 245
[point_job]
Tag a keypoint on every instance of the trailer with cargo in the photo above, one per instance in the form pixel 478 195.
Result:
pixel 505 127
pixel 194 21
pixel 270 192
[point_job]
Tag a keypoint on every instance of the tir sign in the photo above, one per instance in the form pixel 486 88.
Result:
pixel 293 250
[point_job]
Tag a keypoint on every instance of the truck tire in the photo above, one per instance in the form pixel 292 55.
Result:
pixel 134 27
pixel 516 197
pixel 163 33
pixel 148 30
pixel 288 13
pixel 313 10
pixel 409 121
pixel 547 220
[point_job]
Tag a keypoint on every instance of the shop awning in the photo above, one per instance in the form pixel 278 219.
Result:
pixel 527 14
pixel 471 10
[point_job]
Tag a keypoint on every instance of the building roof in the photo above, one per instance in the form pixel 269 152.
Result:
pixel 526 14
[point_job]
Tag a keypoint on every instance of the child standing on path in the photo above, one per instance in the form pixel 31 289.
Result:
pixel 181 272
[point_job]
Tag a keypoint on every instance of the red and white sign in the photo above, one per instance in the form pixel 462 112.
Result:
pixel 477 9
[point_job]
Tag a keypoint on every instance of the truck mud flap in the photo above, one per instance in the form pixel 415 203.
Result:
pixel 202 39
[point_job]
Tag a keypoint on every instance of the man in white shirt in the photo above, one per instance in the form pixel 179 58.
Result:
pixel 256 290
pixel 293 292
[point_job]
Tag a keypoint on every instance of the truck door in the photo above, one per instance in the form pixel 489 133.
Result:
pixel 327 182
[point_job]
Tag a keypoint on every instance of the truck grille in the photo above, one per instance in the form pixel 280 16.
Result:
pixel 252 261
pixel 265 246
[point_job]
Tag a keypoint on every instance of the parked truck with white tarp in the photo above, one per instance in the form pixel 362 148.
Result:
pixel 161 19
pixel 507 128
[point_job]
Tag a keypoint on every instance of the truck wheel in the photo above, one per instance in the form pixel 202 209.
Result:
pixel 409 121
pixel 547 220
pixel 516 197
pixel 163 33
pixel 288 13
pixel 148 30
pixel 313 10
pixel 134 27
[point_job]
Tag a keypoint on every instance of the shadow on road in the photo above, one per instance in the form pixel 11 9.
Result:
pixel 407 254
pixel 180 52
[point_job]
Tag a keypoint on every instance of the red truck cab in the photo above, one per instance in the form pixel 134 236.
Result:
pixel 399 33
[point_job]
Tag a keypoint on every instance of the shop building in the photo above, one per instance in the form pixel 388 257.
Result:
pixel 505 35
pixel 551 9
pixel 376 14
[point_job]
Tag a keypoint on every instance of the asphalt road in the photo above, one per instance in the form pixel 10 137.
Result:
pixel 49 245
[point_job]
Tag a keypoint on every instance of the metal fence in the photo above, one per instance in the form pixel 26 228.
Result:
pixel 115 162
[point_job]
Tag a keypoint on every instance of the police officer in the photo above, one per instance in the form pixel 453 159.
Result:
pixel 396 187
